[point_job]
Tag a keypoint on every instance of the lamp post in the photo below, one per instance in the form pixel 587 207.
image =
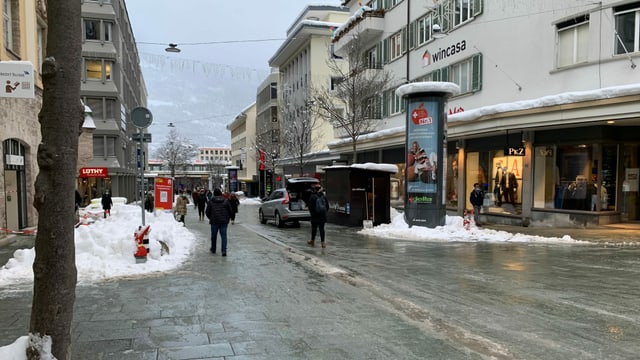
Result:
pixel 141 118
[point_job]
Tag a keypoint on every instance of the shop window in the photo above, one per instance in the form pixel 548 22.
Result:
pixel 452 180
pixel 500 177
pixel 566 177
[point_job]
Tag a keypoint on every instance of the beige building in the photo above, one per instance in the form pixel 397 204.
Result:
pixel 243 171
pixel 23 38
pixel 302 64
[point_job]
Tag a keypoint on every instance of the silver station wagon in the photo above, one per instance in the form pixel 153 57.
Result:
pixel 288 205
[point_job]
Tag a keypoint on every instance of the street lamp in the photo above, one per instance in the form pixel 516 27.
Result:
pixel 173 48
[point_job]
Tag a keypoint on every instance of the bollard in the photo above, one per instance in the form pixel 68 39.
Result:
pixel 142 241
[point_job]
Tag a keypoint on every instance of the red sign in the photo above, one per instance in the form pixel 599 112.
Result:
pixel 420 116
pixel 94 172
pixel 163 196
pixel 261 160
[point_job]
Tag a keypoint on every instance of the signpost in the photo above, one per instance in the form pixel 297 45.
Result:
pixel 141 118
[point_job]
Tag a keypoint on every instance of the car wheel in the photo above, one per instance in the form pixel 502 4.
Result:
pixel 279 222
pixel 263 220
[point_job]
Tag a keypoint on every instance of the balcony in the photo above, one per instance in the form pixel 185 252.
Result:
pixel 366 25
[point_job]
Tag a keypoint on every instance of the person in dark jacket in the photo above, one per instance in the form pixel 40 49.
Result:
pixel 218 212
pixel 202 203
pixel 107 203
pixel 477 199
pixel 318 214
pixel 235 203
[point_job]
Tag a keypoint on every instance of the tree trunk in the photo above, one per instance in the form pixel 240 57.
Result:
pixel 354 152
pixel 61 119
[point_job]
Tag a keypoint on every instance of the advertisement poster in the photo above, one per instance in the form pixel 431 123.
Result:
pixel 422 150
pixel 163 193
pixel 233 180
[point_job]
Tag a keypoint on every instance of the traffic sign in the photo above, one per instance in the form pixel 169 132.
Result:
pixel 145 137
pixel 141 117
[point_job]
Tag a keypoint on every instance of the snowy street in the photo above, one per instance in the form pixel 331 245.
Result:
pixel 485 294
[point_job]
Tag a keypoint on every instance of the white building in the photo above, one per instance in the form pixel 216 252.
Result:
pixel 243 170
pixel 549 89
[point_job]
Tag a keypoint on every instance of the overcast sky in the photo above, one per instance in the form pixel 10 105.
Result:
pixel 236 38
pixel 207 21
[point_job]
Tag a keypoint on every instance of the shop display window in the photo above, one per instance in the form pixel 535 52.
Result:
pixel 566 177
pixel 500 177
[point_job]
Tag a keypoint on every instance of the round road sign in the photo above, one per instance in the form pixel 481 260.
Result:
pixel 141 117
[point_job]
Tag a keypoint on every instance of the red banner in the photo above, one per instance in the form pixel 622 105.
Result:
pixel 163 197
pixel 94 172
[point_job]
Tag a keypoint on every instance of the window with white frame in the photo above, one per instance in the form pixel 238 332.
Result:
pixel 573 41
pixel 424 27
pixel 395 46
pixel 392 104
pixel 10 14
pixel 463 12
pixel 627 21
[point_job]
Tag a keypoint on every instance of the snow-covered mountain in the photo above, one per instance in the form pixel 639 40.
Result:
pixel 198 98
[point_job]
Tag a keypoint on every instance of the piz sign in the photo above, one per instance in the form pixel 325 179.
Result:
pixel 94 172
pixel 514 151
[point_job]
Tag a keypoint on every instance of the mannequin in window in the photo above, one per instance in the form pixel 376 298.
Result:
pixel 498 184
pixel 509 186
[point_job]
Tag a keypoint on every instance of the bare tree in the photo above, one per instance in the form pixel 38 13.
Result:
pixel 353 102
pixel 267 141
pixel 176 151
pixel 300 129
pixel 61 117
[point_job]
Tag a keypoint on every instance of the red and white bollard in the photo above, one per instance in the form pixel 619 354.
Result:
pixel 142 241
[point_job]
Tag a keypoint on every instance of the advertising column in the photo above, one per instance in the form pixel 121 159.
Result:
pixel 426 148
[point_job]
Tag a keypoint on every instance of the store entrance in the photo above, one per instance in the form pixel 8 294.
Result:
pixel 630 206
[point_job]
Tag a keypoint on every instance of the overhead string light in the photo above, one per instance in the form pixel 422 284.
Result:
pixel 218 71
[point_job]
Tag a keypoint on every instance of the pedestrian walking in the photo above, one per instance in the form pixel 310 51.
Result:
pixel 477 199
pixel 318 207
pixel 148 202
pixel 235 203
pixel 202 203
pixel 218 212
pixel 107 203
pixel 181 206
pixel 194 196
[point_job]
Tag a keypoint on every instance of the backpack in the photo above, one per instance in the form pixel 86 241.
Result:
pixel 321 205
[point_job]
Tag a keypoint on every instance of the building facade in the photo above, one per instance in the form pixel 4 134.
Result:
pixel 242 174
pixel 112 85
pixel 550 107
pixel 23 38
pixel 302 64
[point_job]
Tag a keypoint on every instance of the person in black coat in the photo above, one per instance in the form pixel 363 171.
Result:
pixel 107 203
pixel 477 200
pixel 218 212
pixel 318 214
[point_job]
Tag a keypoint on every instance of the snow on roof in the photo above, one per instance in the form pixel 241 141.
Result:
pixel 390 168
pixel 550 100
pixel 353 18
pixel 428 86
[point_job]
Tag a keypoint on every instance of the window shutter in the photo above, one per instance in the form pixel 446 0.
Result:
pixel 476 79
pixel 412 35
pixel 385 103
pixel 385 51
pixel 403 41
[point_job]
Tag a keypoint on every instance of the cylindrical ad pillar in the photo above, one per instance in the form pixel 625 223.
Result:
pixel 426 149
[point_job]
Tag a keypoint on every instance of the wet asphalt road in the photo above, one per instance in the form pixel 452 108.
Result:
pixel 525 301
pixel 360 298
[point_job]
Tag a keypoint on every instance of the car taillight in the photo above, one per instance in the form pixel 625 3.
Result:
pixel 285 201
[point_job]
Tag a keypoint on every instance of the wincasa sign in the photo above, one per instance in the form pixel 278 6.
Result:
pixel 428 58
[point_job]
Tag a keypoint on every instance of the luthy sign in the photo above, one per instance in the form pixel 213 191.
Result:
pixel 94 172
